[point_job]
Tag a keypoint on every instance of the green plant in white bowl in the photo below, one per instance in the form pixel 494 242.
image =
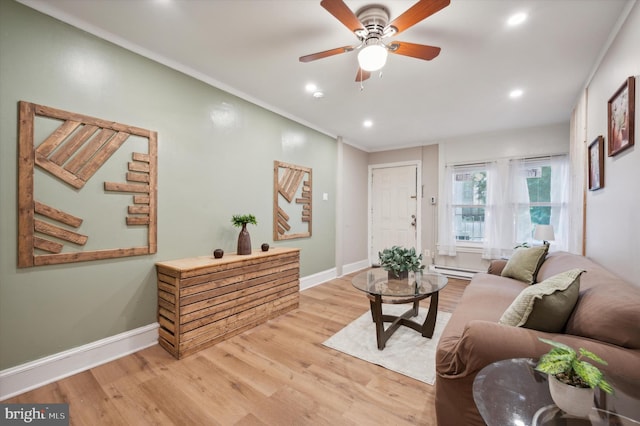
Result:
pixel 572 378
pixel 570 367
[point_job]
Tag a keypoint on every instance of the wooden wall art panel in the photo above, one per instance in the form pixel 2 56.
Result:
pixel 72 154
pixel 292 201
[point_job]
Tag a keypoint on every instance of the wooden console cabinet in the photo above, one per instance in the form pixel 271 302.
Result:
pixel 202 300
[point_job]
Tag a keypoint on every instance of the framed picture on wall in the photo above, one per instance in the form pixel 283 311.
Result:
pixel 621 117
pixel 596 164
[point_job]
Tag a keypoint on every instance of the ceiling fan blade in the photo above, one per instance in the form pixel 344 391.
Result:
pixel 342 13
pixel 362 75
pixel 326 53
pixel 420 51
pixel 416 13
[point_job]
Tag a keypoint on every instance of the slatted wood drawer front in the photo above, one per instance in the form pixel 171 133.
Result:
pixel 203 300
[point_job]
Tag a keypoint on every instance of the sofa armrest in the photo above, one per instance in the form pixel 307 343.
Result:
pixel 496 266
pixel 485 342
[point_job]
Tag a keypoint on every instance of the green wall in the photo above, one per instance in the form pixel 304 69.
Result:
pixel 208 169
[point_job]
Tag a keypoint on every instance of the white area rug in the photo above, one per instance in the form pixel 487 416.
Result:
pixel 406 351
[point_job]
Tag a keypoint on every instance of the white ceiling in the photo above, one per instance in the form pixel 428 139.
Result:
pixel 251 49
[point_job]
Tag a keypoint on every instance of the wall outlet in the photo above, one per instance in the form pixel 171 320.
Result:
pixel 427 254
pixel 433 199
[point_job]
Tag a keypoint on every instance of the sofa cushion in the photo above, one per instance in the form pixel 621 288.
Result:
pixel 525 262
pixel 608 312
pixel 607 308
pixel 545 306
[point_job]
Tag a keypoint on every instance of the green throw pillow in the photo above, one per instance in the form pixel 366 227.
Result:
pixel 525 262
pixel 545 306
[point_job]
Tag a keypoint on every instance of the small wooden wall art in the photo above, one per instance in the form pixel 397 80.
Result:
pixel 63 216
pixel 292 201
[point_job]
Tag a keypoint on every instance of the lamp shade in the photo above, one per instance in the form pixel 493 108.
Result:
pixel 544 233
pixel 372 57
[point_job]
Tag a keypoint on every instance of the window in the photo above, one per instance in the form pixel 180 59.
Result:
pixel 544 201
pixel 539 188
pixel 469 199
pixel 497 204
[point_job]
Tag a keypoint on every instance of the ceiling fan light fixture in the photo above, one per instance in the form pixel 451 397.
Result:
pixel 372 57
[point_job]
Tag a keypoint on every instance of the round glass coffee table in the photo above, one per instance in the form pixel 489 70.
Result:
pixel 513 392
pixel 418 286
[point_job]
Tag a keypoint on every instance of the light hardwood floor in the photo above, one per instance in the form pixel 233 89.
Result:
pixel 278 373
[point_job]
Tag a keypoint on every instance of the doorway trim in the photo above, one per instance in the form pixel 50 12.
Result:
pixel 418 164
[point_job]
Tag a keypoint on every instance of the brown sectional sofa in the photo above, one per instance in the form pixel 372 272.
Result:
pixel 605 320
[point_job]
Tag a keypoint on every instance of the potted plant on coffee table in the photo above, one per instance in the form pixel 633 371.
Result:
pixel 399 261
pixel 572 379
pixel 244 239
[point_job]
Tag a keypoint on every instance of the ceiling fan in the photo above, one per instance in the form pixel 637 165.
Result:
pixel 371 25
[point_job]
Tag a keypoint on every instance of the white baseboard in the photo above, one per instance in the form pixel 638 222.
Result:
pixel 25 377
pixel 318 278
pixel 32 375
pixel 355 267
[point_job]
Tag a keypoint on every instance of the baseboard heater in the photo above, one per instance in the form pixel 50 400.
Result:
pixel 453 272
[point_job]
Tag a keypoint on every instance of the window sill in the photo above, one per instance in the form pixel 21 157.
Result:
pixel 468 247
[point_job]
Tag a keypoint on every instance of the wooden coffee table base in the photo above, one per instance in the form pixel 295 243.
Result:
pixel 426 329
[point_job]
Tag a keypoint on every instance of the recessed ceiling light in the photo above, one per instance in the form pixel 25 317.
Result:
pixel 516 93
pixel 367 123
pixel 517 19
pixel 310 87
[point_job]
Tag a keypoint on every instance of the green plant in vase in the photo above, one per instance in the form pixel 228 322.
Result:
pixel 241 220
pixel 244 239
pixel 399 261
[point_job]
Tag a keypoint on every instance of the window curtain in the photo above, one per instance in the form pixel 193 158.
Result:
pixel 559 198
pixel 507 209
pixel 446 235
pixel 498 236
pixel 522 227
pixel 560 202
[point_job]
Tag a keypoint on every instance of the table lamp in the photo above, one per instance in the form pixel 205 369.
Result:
pixel 544 233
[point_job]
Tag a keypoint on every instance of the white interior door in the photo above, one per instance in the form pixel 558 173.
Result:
pixel 394 208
